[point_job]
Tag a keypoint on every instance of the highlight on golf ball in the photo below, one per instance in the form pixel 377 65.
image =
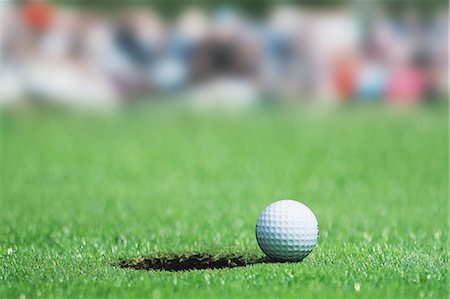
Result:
pixel 287 230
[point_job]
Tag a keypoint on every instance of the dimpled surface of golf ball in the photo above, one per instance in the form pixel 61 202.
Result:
pixel 287 230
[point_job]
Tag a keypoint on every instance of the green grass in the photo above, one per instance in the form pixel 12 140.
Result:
pixel 79 193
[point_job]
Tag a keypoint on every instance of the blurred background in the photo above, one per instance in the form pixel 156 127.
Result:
pixel 212 55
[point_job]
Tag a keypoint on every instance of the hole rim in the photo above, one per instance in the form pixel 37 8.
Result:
pixel 195 262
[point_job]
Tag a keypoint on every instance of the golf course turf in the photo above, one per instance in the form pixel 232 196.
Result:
pixel 84 198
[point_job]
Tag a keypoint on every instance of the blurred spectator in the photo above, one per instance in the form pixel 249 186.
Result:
pixel 37 15
pixel 406 83
pixel 81 57
pixel 345 68
pixel 371 79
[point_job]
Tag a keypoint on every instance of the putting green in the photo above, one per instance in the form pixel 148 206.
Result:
pixel 80 193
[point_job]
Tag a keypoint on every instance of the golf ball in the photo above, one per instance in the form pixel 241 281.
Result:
pixel 287 230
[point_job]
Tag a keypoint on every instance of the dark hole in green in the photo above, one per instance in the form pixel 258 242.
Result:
pixel 192 262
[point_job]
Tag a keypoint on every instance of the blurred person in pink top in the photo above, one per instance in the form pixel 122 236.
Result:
pixel 407 83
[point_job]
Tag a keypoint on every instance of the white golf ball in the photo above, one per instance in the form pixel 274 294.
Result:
pixel 287 230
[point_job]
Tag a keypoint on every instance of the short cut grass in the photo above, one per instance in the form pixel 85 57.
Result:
pixel 81 193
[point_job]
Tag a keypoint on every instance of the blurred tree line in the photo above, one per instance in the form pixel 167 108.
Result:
pixel 256 8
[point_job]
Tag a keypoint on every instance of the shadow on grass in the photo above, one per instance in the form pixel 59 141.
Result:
pixel 192 262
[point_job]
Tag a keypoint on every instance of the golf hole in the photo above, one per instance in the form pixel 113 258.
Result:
pixel 192 262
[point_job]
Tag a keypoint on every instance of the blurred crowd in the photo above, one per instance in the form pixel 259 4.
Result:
pixel 221 56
